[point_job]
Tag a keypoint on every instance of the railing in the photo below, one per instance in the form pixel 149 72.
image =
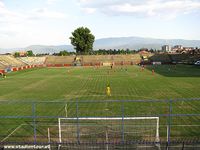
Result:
pixel 36 123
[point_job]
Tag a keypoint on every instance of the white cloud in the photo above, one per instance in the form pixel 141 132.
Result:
pixel 16 25
pixel 1 4
pixel 89 10
pixel 44 13
pixel 7 16
pixel 11 16
pixel 50 2
pixel 6 32
pixel 142 8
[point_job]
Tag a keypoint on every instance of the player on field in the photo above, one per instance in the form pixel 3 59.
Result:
pixel 3 75
pixel 111 66
pixel 108 90
pixel 153 71
pixel 142 68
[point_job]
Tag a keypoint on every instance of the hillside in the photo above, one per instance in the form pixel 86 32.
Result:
pixel 113 43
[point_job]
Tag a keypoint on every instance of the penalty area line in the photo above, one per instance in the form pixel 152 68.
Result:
pixel 12 132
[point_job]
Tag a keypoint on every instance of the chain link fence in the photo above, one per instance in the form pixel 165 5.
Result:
pixel 123 124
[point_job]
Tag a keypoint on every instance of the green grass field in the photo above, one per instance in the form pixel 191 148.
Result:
pixel 89 83
pixel 64 86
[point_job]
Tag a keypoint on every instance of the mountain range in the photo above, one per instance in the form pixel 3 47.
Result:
pixel 113 43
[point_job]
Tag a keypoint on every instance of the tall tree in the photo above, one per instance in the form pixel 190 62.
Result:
pixel 63 53
pixel 16 54
pixel 30 53
pixel 82 40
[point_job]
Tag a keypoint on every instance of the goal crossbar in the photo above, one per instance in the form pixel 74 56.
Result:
pixel 110 118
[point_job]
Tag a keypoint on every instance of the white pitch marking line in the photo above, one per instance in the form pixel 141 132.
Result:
pixel 13 132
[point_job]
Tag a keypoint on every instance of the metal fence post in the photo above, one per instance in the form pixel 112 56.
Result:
pixel 122 109
pixel 77 116
pixel 34 123
pixel 169 124
pixel 183 146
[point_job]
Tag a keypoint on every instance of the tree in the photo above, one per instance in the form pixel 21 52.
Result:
pixel 30 53
pixel 63 53
pixel 82 39
pixel 16 54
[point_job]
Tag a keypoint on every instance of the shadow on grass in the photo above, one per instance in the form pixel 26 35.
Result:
pixel 170 67
pixel 175 70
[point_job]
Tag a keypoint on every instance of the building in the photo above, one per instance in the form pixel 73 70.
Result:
pixel 166 48
pixel 177 48
pixel 22 53
pixel 188 48
pixel 181 49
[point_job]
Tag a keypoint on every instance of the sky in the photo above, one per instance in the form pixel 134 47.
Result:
pixel 50 22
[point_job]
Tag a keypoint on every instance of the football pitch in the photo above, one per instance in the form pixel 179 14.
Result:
pixel 83 83
pixel 54 93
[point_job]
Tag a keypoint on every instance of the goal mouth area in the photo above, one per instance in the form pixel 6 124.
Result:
pixel 108 129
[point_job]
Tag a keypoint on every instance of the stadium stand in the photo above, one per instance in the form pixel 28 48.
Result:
pixel 88 60
pixel 184 58
pixel 3 62
pixel 96 60
pixel 117 59
pixel 10 61
pixel 59 60
pixel 2 66
pixel 32 60
pixel 164 58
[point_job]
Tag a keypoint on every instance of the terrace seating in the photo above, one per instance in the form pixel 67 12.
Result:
pixel 10 61
pixel 164 58
pixel 135 58
pixel 32 60
pixel 59 60
pixel 93 59
pixel 4 63
pixel 117 59
pixel 2 66
pixel 184 58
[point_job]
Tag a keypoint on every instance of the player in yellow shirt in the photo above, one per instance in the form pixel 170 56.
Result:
pixel 108 90
pixel 3 75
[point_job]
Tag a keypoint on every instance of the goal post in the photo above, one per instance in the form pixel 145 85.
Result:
pixel 103 128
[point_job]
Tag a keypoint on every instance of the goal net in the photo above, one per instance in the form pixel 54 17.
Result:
pixel 108 129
